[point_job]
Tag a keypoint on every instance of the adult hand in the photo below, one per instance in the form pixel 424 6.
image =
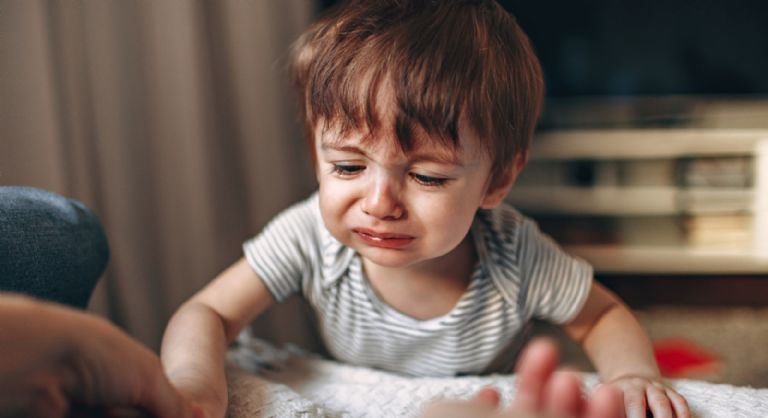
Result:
pixel 56 362
pixel 541 392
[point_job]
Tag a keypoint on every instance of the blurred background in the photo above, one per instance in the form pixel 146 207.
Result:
pixel 174 121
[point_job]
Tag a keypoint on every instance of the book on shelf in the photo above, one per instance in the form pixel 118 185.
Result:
pixel 731 231
pixel 694 202
pixel 717 172
pixel 685 172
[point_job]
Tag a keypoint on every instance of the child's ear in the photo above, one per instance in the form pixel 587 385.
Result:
pixel 498 190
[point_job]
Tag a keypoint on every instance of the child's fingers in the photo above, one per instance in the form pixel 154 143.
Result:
pixel 535 367
pixel 634 403
pixel 658 402
pixel 679 404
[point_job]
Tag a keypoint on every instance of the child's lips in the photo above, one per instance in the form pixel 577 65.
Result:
pixel 383 239
pixel 381 235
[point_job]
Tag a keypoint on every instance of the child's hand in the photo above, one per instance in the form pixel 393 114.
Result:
pixel 642 393
pixel 199 407
pixel 198 410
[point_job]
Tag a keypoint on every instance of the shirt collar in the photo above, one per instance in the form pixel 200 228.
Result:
pixel 337 257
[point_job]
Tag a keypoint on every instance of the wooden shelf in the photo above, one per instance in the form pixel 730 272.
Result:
pixel 645 143
pixel 629 201
pixel 612 259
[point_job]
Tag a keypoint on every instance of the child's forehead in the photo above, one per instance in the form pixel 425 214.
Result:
pixel 388 120
pixel 385 141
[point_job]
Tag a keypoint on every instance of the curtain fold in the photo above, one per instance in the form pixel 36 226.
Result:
pixel 173 120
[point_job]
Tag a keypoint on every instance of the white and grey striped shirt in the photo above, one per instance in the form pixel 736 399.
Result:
pixel 521 274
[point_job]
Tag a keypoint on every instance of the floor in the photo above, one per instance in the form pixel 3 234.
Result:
pixel 738 336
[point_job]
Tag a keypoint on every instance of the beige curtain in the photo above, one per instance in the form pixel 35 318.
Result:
pixel 173 120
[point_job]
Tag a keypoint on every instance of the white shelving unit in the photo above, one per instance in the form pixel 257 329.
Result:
pixel 671 260
pixel 625 201
pixel 617 200
pixel 646 143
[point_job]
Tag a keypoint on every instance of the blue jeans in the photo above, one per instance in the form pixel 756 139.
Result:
pixel 51 247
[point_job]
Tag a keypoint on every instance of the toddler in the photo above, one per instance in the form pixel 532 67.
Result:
pixel 419 116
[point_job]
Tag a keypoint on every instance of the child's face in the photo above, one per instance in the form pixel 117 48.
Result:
pixel 398 209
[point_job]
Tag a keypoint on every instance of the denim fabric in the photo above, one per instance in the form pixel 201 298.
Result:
pixel 51 247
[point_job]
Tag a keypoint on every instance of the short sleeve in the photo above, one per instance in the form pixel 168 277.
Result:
pixel 282 254
pixel 555 284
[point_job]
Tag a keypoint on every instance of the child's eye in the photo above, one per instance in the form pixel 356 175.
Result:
pixel 428 180
pixel 347 169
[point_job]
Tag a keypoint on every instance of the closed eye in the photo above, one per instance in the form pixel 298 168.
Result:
pixel 429 180
pixel 347 169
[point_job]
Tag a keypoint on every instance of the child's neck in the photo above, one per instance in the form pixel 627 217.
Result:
pixel 429 289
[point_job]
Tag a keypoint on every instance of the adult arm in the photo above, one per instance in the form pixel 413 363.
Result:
pixel 55 361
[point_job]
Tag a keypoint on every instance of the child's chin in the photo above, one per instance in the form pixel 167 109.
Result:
pixel 389 258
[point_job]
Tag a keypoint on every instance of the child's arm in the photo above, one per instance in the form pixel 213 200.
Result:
pixel 622 354
pixel 197 336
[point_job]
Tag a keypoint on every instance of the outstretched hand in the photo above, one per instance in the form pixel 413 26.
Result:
pixel 56 362
pixel 541 392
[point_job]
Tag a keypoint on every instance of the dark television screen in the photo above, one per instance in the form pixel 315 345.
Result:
pixel 638 48
pixel 630 48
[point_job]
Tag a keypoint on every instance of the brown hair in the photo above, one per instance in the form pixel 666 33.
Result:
pixel 446 60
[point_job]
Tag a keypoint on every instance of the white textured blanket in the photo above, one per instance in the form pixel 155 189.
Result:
pixel 269 382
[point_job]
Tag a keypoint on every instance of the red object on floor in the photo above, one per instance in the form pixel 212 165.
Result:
pixel 680 358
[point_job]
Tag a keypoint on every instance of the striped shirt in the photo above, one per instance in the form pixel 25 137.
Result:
pixel 520 274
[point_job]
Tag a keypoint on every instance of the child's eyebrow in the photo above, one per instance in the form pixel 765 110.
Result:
pixel 438 157
pixel 434 157
pixel 325 146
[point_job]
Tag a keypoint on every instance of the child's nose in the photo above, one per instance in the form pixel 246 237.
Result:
pixel 382 200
